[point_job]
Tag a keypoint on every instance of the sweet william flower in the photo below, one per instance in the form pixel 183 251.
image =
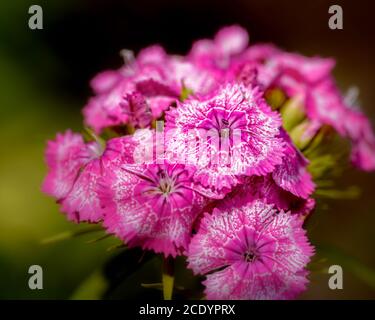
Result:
pixel 266 189
pixel 64 157
pixel 310 79
pixel 152 206
pixel 359 130
pixel 137 110
pixel 112 107
pixel 75 169
pixel 218 54
pixel 229 188
pixel 149 202
pixel 159 78
pixel 324 104
pixel 250 251
pixel 327 105
pixel 144 76
pixel 231 133
pixel 250 63
pixel 292 175
pixel 105 81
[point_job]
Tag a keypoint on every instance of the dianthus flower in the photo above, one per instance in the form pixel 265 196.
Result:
pixel 232 133
pixel 250 251
pixel 151 205
pixel 75 169
pixel 156 79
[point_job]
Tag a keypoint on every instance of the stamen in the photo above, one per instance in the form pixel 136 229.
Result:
pixel 128 56
pixel 249 256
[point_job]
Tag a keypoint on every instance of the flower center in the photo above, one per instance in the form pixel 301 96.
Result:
pixel 250 256
pixel 166 184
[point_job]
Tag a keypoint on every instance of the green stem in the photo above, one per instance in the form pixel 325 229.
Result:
pixel 168 277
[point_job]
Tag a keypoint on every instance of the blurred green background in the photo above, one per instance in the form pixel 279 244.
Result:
pixel 44 78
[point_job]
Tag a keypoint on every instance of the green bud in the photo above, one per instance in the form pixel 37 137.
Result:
pixel 275 98
pixel 302 134
pixel 292 113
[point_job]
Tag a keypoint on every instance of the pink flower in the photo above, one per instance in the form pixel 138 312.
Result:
pixel 82 202
pixel 176 73
pixel 75 169
pixel 266 189
pixel 217 54
pixel 308 78
pixel 137 110
pixel 324 104
pixel 223 184
pixel 359 130
pixel 105 110
pixel 154 78
pixel 290 71
pixel 250 66
pixel 184 74
pixel 311 80
pixel 152 55
pixel 145 77
pixel 311 70
pixel 363 155
pixel 151 205
pixel 250 251
pixel 292 174
pixel 64 157
pixel 105 81
pixel 232 133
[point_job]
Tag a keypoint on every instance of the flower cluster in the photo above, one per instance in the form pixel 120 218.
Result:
pixel 208 156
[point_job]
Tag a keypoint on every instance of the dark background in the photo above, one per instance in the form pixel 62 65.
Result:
pixel 44 77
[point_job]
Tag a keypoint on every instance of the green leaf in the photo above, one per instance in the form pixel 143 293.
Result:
pixel 117 246
pixel 105 236
pixel 71 234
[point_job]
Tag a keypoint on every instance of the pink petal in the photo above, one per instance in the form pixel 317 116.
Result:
pixel 292 174
pixel 64 157
pixel 231 40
